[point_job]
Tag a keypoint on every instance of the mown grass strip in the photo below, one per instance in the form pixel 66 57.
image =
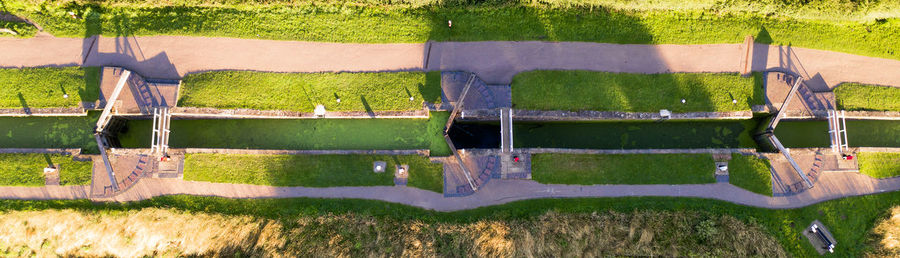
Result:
pixel 629 169
pixel 303 91
pixel 390 22
pixel 879 164
pixel 310 170
pixel 855 96
pixel 604 91
pixel 751 173
pixel 28 169
pixel 46 87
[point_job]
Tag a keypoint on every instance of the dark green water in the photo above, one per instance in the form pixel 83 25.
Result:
pixel 860 133
pixel 635 135
pixel 367 134
pixel 49 132
pixel 293 134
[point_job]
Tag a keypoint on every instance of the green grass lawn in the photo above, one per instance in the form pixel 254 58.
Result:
pixel 604 91
pixel 45 87
pixel 631 169
pixel 855 96
pixel 381 21
pixel 303 91
pixel 848 219
pixel 23 30
pixel 879 164
pixel 28 169
pixel 51 132
pixel 751 173
pixel 310 170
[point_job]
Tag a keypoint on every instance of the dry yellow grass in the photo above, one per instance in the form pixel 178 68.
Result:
pixel 886 236
pixel 167 232
pixel 142 232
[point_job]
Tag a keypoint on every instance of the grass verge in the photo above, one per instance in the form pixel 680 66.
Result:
pixel 28 169
pixel 849 219
pixel 308 170
pixel 879 164
pixel 604 91
pixel 883 238
pixel 382 22
pixel 630 169
pixel 303 91
pixel 45 87
pixel 751 173
pixel 22 29
pixel 855 96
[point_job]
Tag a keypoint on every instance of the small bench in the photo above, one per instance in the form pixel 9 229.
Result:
pixel 827 243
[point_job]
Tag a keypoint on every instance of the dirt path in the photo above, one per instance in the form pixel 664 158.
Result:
pixel 45 192
pixel 830 186
pixel 170 57
pixel 496 192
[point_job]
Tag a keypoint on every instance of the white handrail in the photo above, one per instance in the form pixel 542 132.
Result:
pixel 110 102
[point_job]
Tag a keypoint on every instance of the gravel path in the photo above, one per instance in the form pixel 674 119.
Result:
pixel 171 57
pixel 830 186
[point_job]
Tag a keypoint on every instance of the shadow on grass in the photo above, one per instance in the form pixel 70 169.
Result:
pixel 368 108
pixel 91 90
pixel 48 160
pixel 25 107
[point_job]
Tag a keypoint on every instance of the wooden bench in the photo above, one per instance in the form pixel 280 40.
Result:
pixel 826 242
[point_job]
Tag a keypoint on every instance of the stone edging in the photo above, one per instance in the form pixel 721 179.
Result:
pixel 214 113
pixel 862 115
pixel 72 151
pixel 560 115
pixel 636 151
pixel 877 149
pixel 21 112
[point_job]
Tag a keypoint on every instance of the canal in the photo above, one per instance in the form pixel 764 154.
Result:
pixel 385 134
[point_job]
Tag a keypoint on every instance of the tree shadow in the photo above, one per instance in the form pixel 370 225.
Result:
pixel 48 160
pixel 760 53
pixel 759 92
pixel 369 111
pixel 431 88
pixel 90 93
pixel 127 52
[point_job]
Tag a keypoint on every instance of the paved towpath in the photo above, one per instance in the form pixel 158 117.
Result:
pixel 54 192
pixel 171 57
pixel 493 193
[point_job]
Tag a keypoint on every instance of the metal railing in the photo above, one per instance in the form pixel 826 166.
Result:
pixel 837 130
pixel 106 116
pixel 160 136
